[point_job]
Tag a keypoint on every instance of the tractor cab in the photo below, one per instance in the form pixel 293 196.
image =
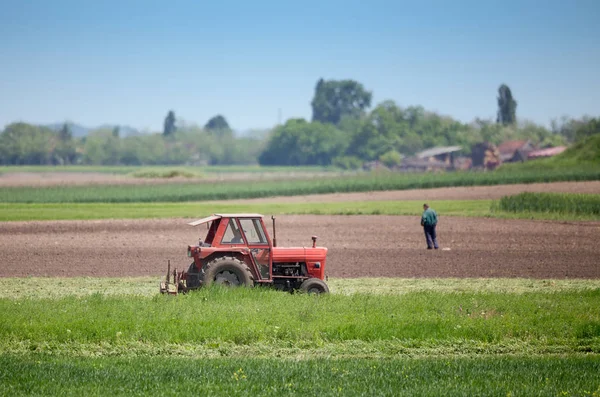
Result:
pixel 237 250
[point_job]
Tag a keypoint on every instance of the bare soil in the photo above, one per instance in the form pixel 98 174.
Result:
pixel 359 246
pixel 45 179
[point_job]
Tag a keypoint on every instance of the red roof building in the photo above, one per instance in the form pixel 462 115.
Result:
pixel 511 151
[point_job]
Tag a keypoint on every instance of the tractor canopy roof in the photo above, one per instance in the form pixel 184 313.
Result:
pixel 219 216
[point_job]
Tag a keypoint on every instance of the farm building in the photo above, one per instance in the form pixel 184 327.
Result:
pixel 512 151
pixel 434 159
pixel 443 155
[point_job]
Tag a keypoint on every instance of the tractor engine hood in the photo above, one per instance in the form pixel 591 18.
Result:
pixel 300 254
pixel 313 257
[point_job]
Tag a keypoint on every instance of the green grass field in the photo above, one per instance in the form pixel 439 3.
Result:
pixel 87 211
pixel 426 337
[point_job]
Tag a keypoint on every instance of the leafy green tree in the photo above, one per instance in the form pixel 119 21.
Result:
pixel 169 125
pixel 507 106
pixel 564 127
pixel 391 158
pixel 299 142
pixel 217 122
pixel 65 151
pixel 22 143
pixel 587 128
pixel 335 99
pixel 101 148
pixel 65 133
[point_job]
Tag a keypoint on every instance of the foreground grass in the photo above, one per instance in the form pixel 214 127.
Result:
pixel 88 336
pixel 502 376
pixel 182 192
pixel 88 211
pixel 266 320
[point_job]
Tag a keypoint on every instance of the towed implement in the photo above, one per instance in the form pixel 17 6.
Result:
pixel 238 251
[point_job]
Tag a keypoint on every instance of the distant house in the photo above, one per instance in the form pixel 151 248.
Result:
pixel 548 152
pixel 512 151
pixel 444 155
pixel 434 159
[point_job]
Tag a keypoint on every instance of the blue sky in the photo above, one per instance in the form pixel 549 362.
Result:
pixel 128 62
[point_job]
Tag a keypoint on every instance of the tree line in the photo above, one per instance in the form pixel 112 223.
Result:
pixel 214 144
pixel 344 131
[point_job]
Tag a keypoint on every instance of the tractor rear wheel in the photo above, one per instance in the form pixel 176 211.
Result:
pixel 314 286
pixel 229 272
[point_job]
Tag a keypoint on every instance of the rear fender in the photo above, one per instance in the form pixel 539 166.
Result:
pixel 243 254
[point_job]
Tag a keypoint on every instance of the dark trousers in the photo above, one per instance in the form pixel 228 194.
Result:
pixel 430 236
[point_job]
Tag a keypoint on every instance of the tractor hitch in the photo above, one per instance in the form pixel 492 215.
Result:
pixel 176 286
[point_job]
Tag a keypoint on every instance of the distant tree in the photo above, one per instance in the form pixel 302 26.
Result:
pixel 116 131
pixel 65 151
pixel 334 99
pixel 299 142
pixel 587 128
pixel 507 106
pixel 391 158
pixel 169 127
pixel 22 143
pixel 101 148
pixel 217 122
pixel 65 133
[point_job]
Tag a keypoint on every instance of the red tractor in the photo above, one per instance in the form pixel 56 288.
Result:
pixel 237 251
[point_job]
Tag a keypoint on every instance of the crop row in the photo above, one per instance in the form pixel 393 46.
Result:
pixel 561 203
pixel 180 192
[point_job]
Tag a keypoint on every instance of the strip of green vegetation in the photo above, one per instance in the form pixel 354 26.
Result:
pixel 564 321
pixel 87 211
pixel 179 192
pixel 560 203
pixel 532 376
pixel 23 212
pixel 57 287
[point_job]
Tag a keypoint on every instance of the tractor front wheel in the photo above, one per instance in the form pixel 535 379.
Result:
pixel 314 286
pixel 229 272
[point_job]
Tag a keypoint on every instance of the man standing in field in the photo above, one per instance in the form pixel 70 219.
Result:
pixel 429 222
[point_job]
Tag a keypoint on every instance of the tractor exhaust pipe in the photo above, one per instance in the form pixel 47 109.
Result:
pixel 274 233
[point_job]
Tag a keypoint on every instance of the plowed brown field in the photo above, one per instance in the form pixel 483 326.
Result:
pixel 359 246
